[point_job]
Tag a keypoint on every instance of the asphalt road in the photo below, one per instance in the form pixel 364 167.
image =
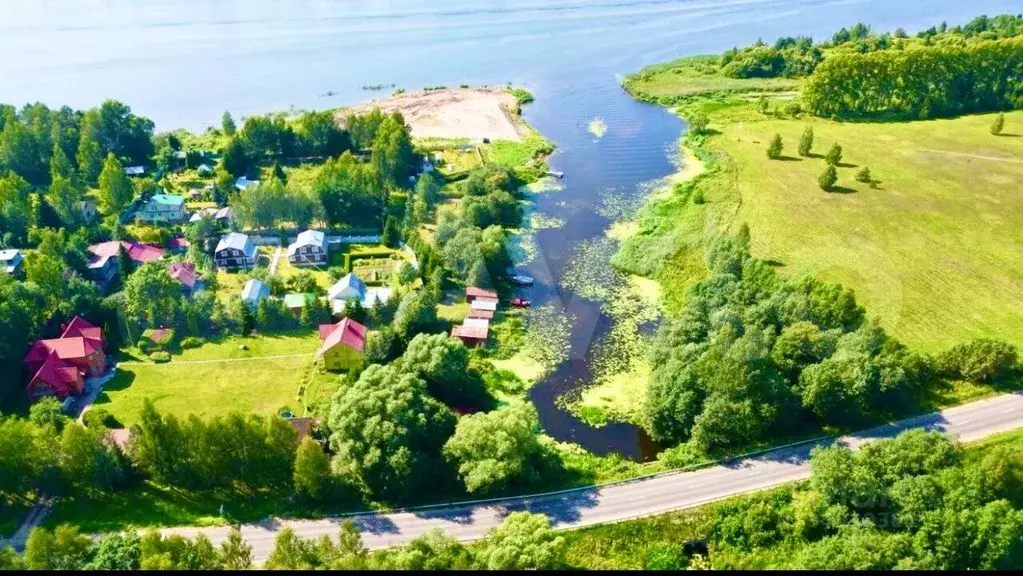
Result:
pixel 646 497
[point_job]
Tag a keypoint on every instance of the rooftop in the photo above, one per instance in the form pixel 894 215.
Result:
pixel 169 199
pixel 347 332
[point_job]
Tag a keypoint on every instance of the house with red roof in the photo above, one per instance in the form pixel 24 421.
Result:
pixel 103 263
pixel 473 331
pixel 343 344
pixel 184 273
pixel 473 292
pixel 59 366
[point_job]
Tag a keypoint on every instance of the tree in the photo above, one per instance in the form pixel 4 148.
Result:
pixel 775 147
pixel 998 125
pixel 151 295
pixel 60 165
pixel 698 124
pixel 10 560
pixel 979 360
pixel 391 237
pixel 434 550
pixel 312 478
pixel 235 158
pixel 806 142
pixel 117 552
pixel 834 155
pixel 227 124
pixel 387 433
pixel 864 176
pixel 416 313
pixel 48 413
pixel 763 105
pixel 524 541
pixel 63 549
pixel 115 189
pixel 17 212
pixel 349 191
pixel 125 265
pixel 828 178
pixel 85 461
pixel 497 450
pixel 235 554
pixel 165 159
pixel 443 363
pixel 292 553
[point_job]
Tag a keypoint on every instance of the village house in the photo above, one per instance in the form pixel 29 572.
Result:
pixel 343 344
pixel 103 262
pixel 310 248
pixel 222 215
pixel 10 261
pixel 351 286
pixel 235 250
pixel 242 184
pixel 59 366
pixel 204 170
pixel 253 292
pixel 184 273
pixel 135 170
pixel 163 208
pixel 296 301
pixel 178 245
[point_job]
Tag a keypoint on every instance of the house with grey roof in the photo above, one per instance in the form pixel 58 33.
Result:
pixel 135 170
pixel 163 208
pixel 309 249
pixel 254 291
pixel 10 261
pixel 235 250
pixel 351 286
pixel 242 184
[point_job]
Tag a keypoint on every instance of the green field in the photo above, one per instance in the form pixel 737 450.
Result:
pixel 936 250
pixel 215 379
pixel 697 75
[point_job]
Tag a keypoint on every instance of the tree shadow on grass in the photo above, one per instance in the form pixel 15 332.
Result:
pixel 847 165
pixel 121 381
pixel 790 159
pixel 841 190
pixel 774 263
pixel 1008 135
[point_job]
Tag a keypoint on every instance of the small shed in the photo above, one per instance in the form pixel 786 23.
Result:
pixel 473 292
pixel 296 301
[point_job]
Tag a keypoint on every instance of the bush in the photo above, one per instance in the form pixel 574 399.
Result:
pixel 775 147
pixel 864 176
pixel 834 155
pixel 828 178
pixel 192 342
pixel 160 357
pixel 981 360
pixel 143 345
pixel 793 109
pixel 97 418
pixel 998 125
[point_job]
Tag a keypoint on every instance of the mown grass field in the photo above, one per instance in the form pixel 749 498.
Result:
pixel 936 250
pixel 216 378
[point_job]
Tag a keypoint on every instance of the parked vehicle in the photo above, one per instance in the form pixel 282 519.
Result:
pixel 522 280
pixel 521 303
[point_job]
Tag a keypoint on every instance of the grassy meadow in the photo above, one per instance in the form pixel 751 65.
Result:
pixel 216 378
pixel 935 250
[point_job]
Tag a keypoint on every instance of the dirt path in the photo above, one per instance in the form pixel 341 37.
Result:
pixel 217 361
pixel 276 259
pixel 975 156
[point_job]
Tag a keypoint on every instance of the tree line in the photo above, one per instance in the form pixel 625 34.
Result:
pixel 917 501
pixel 753 355
pixel 921 83
pixel 524 541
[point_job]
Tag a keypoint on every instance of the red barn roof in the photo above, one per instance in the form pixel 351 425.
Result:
pixel 347 332
pixel 471 332
pixel 474 292
pixel 76 348
pixel 137 252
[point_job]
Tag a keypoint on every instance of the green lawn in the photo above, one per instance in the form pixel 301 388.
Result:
pixel 286 270
pixel 935 251
pixel 216 378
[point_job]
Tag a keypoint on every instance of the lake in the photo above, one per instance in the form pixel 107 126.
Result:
pixel 182 63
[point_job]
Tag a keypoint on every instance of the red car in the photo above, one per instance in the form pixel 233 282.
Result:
pixel 520 303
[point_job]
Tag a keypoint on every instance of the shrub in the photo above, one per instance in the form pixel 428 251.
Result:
pixel 143 345
pixel 806 142
pixel 834 155
pixel 97 418
pixel 793 109
pixel 864 176
pixel 980 360
pixel 160 357
pixel 698 124
pixel 192 342
pixel 775 147
pixel 828 178
pixel 998 125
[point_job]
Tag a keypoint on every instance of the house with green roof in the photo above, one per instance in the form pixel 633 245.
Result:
pixel 296 302
pixel 163 208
